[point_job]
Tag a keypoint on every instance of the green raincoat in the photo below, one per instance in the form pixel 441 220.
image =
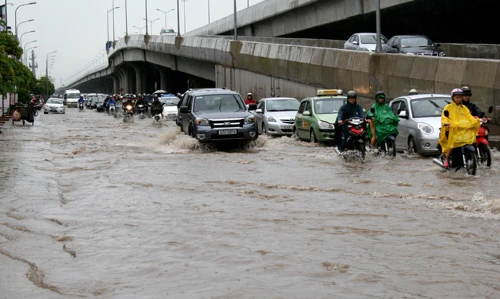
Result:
pixel 386 122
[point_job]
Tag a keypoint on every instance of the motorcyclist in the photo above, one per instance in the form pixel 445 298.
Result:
pixel 81 101
pixel 142 101
pixel 474 109
pixel 127 102
pixel 249 100
pixel 348 110
pixel 459 128
pixel 382 121
pixel 156 105
pixel 111 101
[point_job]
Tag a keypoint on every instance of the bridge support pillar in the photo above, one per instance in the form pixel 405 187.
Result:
pixel 139 79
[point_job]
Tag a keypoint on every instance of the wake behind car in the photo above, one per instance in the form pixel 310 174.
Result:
pixel 364 41
pixel 316 116
pixel 215 115
pixel 413 45
pixel 277 115
pixel 419 122
pixel 54 105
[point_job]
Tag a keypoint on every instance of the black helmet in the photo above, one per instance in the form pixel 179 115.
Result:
pixel 466 90
pixel 352 94
pixel 379 94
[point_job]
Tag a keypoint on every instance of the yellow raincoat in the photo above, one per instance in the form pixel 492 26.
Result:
pixel 462 130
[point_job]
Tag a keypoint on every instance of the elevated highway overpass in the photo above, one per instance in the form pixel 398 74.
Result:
pixel 273 66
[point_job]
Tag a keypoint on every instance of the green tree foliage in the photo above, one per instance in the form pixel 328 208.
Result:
pixel 14 76
pixel 44 86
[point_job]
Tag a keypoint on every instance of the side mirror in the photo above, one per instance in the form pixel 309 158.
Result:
pixel 446 113
pixel 307 113
pixel 184 109
pixel 490 109
pixel 355 42
pixel 258 110
pixel 402 114
pixel 372 110
pixel 252 107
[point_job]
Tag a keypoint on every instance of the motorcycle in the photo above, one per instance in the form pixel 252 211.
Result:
pixel 387 147
pixel 483 150
pixel 80 106
pixel 460 157
pixel 355 142
pixel 128 113
pixel 112 110
pixel 141 111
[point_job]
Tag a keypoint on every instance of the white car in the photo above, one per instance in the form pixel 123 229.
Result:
pixel 277 115
pixel 364 41
pixel 419 122
pixel 169 106
pixel 54 105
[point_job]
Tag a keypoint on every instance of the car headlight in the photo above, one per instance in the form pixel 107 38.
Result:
pixel 271 119
pixel 325 125
pixel 202 122
pixel 425 128
pixel 250 119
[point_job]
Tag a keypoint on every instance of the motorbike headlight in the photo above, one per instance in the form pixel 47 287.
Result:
pixel 250 119
pixel 325 125
pixel 425 128
pixel 128 107
pixel 271 119
pixel 202 122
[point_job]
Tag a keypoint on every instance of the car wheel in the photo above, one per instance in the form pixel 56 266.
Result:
pixel 412 147
pixel 264 129
pixel 312 136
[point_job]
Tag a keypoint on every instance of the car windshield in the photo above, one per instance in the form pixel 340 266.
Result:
pixel 55 101
pixel 415 42
pixel 170 101
pixel 428 107
pixel 372 39
pixel 218 103
pixel 73 95
pixel 328 105
pixel 283 105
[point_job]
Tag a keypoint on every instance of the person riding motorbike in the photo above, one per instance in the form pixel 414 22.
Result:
pixel 249 100
pixel 474 109
pixel 156 106
pixel 111 101
pixel 81 101
pixel 382 121
pixel 142 101
pixel 348 110
pixel 458 127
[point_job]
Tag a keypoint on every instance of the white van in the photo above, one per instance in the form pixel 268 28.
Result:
pixel 71 97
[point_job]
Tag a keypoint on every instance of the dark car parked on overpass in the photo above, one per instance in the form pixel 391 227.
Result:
pixel 413 45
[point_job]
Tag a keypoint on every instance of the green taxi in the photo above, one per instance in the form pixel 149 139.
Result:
pixel 316 116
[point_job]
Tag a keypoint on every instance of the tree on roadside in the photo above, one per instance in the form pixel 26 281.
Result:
pixel 14 76
pixel 44 86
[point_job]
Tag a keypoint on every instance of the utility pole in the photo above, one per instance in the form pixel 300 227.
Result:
pixel 33 65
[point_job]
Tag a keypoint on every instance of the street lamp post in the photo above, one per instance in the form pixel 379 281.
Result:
pixel 17 27
pixel 140 29
pixel 165 12
pixel 208 11
pixel 235 24
pixel 178 20
pixel 184 15
pixel 15 13
pixel 107 19
pixel 21 37
pixel 126 19
pixel 33 41
pixel 146 4
pixel 151 24
pixel 47 64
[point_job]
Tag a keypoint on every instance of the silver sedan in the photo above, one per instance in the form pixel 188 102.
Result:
pixel 276 116
pixel 419 122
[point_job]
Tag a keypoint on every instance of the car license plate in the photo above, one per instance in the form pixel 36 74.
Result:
pixel 287 127
pixel 227 132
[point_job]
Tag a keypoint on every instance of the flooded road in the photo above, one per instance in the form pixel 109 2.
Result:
pixel 94 207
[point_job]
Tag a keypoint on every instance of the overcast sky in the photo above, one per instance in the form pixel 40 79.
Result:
pixel 77 29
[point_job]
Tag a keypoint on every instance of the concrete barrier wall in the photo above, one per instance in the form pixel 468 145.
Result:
pixel 307 67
